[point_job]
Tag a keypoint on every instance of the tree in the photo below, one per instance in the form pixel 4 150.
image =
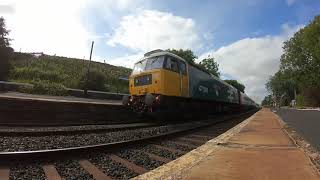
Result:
pixel 236 84
pixel 188 55
pixel 97 81
pixel 282 86
pixel 267 101
pixel 210 65
pixel 5 50
pixel 299 66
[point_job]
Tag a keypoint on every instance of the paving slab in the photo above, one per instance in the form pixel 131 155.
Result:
pixel 258 148
pixel 237 163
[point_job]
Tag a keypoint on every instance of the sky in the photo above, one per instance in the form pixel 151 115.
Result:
pixel 244 36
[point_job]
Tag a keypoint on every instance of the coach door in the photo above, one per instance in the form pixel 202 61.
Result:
pixel 172 76
pixel 183 79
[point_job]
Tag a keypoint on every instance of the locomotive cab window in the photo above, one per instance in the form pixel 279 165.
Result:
pixel 148 64
pixel 172 64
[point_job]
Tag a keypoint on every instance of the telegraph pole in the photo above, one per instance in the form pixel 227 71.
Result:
pixel 88 72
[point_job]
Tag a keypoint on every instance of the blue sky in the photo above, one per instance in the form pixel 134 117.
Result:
pixel 245 36
pixel 224 21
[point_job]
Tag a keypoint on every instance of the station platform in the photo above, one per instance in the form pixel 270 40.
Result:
pixel 63 99
pixel 19 109
pixel 258 148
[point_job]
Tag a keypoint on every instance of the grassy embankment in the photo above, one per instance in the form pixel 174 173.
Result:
pixel 50 74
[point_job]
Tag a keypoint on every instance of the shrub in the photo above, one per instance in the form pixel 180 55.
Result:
pixel 5 54
pixel 96 81
pixel 311 96
pixel 45 87
pixel 300 101
pixel 35 74
pixel 69 72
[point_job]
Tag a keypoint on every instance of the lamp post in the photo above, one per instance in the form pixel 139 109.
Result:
pixel 88 72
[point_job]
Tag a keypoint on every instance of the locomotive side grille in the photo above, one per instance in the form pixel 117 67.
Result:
pixel 143 80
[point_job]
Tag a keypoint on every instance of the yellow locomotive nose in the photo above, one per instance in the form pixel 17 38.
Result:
pixel 146 82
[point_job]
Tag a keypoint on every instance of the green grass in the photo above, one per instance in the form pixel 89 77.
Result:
pixel 55 71
pixel 45 87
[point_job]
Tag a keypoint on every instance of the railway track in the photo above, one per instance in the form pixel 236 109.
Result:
pixel 116 160
pixel 68 130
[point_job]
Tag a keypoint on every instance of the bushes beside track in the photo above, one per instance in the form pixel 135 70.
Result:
pixel 45 87
pixel 50 74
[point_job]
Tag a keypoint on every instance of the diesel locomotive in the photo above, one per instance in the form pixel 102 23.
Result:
pixel 164 82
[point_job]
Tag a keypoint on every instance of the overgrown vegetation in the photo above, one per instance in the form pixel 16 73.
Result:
pixel 208 64
pixel 267 101
pixel 51 74
pixel 5 50
pixel 236 84
pixel 299 69
pixel 45 87
pixel 55 71
pixel 187 54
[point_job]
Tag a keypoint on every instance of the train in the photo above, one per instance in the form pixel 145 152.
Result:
pixel 164 82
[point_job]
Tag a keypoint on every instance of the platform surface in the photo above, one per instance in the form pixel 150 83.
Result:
pixel 17 95
pixel 258 148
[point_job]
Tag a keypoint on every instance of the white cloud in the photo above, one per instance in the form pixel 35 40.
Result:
pixel 125 61
pixel 252 60
pixel 52 27
pixel 6 8
pixel 290 2
pixel 150 29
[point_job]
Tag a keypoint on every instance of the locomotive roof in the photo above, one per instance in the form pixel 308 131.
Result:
pixel 161 53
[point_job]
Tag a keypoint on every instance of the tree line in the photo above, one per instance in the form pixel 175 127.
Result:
pixel 5 51
pixel 208 64
pixel 299 75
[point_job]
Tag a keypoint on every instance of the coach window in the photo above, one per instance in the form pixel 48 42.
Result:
pixel 182 67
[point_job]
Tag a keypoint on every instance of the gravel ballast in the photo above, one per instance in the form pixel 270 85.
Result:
pixel 139 158
pixel 30 171
pixel 135 153
pixel 161 152
pixel 176 146
pixel 66 129
pixel 111 168
pixel 71 170
pixel 28 143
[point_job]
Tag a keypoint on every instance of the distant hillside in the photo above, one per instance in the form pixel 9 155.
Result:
pixel 69 72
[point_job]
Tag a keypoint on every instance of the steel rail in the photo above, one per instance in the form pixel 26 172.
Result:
pixel 71 130
pixel 72 151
